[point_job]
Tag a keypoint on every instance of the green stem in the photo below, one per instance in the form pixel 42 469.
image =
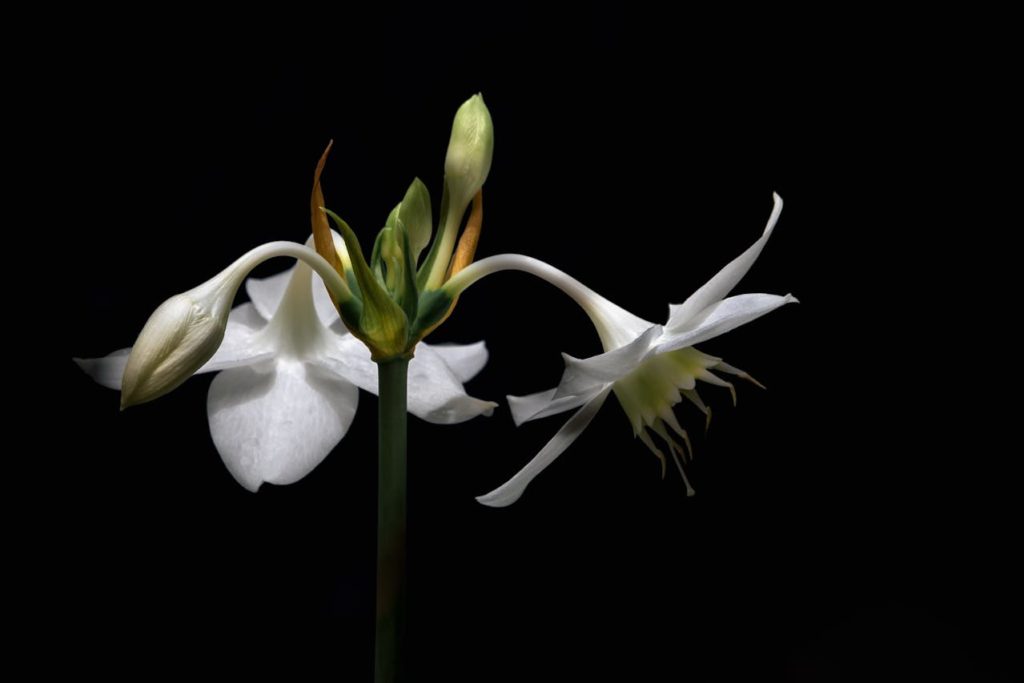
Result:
pixel 392 379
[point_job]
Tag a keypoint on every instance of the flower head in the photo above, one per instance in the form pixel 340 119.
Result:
pixel 185 331
pixel 649 367
pixel 290 378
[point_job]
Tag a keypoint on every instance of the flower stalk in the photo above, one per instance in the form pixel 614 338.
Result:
pixel 391 515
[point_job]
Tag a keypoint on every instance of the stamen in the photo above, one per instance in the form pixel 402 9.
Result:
pixel 725 367
pixel 669 417
pixel 690 493
pixel 673 445
pixel 647 441
pixel 718 382
pixel 696 400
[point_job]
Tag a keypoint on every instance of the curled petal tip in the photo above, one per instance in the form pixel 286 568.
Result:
pixel 492 501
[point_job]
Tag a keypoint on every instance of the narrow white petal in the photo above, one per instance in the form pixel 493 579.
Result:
pixel 543 404
pixel 106 371
pixel 465 360
pixel 722 283
pixel 509 492
pixel 720 318
pixel 275 422
pixel 265 293
pixel 582 375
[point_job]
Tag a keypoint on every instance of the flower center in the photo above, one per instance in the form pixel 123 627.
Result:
pixel 651 391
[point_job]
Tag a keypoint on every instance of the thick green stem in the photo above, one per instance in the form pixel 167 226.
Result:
pixel 392 376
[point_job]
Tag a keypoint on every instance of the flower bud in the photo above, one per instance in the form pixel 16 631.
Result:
pixel 470 151
pixel 180 336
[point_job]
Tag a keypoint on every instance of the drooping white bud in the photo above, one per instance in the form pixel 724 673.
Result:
pixel 180 336
pixel 186 330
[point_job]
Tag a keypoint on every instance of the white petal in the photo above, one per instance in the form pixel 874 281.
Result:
pixel 242 345
pixel 435 393
pixel 465 360
pixel 348 357
pixel 543 404
pixel 509 492
pixel 720 318
pixel 581 376
pixel 721 284
pixel 275 422
pixel 107 370
pixel 266 295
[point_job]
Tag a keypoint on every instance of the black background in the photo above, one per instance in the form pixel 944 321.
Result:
pixel 854 521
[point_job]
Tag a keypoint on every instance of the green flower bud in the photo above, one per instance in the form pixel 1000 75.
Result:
pixel 470 151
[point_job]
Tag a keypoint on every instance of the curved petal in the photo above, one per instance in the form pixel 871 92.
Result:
pixel 265 293
pixel 276 421
pixel 348 357
pixel 543 404
pixel 106 371
pixel 722 317
pixel 715 289
pixel 583 375
pixel 509 492
pixel 465 360
pixel 435 392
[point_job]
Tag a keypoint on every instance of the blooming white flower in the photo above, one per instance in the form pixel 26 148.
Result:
pixel 288 389
pixel 649 367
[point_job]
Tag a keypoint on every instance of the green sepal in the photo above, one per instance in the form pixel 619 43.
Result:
pixel 391 251
pixel 414 212
pixel 433 306
pixel 375 263
pixel 351 311
pixel 408 296
pixel 353 285
pixel 424 272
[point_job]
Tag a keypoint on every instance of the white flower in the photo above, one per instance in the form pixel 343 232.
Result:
pixel 649 367
pixel 290 376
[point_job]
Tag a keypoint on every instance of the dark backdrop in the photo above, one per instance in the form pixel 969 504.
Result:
pixel 853 520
